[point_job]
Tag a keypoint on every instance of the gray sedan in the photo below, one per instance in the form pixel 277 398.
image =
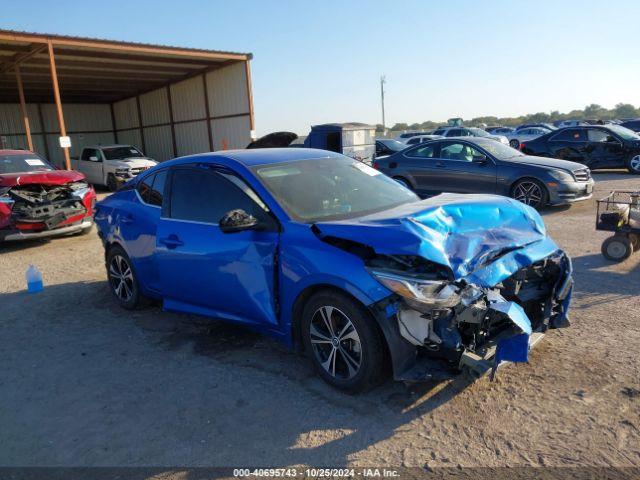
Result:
pixel 479 165
pixel 525 134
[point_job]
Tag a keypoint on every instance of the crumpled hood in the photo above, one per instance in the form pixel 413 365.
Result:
pixel 134 162
pixel 483 238
pixel 53 177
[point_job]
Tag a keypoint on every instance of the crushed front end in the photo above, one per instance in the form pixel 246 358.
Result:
pixel 36 210
pixel 459 324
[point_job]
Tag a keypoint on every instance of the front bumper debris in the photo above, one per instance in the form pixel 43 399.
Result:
pixel 17 235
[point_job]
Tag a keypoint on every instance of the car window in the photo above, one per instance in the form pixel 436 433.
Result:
pixel 454 132
pixel 424 151
pixel 598 136
pixel 440 131
pixel 88 152
pixel 414 140
pixel 200 195
pixel 144 188
pixel 458 151
pixel 570 135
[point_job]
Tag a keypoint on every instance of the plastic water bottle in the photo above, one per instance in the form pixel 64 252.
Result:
pixel 34 279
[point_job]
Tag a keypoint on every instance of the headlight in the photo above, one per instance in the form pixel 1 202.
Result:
pixel 561 175
pixel 433 293
pixel 123 172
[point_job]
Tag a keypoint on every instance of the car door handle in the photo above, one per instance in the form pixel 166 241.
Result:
pixel 172 241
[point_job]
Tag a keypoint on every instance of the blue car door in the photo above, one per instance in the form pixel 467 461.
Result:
pixel 206 271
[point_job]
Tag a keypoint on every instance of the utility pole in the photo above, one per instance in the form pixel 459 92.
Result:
pixel 383 80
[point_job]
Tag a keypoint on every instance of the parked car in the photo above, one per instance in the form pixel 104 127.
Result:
pixel 328 254
pixel 548 126
pixel 388 146
pixel 499 130
pixel 469 132
pixel 569 123
pixel 596 146
pixel 422 138
pixel 632 125
pixel 403 137
pixel 38 201
pixel 479 165
pixel 112 165
pixel 525 134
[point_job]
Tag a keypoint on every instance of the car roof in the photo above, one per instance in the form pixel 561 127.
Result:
pixel 112 145
pixel 256 156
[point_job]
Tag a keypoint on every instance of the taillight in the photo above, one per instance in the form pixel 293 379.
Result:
pixel 375 165
pixel 522 146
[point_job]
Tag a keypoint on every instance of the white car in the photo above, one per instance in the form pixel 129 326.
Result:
pixel 525 134
pixel 112 165
pixel 421 138
pixel 468 132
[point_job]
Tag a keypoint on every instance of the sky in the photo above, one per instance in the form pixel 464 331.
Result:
pixel 321 61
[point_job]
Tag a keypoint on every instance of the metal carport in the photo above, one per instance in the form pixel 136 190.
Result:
pixel 168 101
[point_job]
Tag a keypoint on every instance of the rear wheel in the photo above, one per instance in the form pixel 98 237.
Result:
pixel 343 341
pixel 514 143
pixel 403 182
pixel 122 278
pixel 633 164
pixel 530 192
pixel 617 248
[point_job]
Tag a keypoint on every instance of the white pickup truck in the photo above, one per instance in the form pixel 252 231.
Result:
pixel 111 165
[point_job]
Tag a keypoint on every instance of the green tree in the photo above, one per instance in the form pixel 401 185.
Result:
pixel 625 110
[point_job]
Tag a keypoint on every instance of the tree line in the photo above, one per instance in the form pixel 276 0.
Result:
pixel 593 111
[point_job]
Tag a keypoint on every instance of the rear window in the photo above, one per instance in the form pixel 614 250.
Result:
pixel 23 162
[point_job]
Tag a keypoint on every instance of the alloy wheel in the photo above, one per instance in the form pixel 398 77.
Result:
pixel 634 163
pixel 514 144
pixel 335 342
pixel 528 193
pixel 121 277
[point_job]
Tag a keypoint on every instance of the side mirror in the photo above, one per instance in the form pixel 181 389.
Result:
pixel 237 221
pixel 481 159
pixel 93 158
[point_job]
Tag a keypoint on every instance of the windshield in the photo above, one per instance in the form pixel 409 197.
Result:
pixel 624 132
pixel 394 145
pixel 478 132
pixel 23 162
pixel 499 150
pixel 331 188
pixel 118 153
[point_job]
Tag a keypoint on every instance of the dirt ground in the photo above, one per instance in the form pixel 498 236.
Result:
pixel 85 383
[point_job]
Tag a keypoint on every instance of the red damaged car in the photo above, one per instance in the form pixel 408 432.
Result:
pixel 38 201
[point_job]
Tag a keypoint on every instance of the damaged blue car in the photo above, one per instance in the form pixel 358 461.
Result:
pixel 331 256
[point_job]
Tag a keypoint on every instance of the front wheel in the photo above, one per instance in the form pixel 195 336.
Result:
pixel 343 341
pixel 514 143
pixel 530 192
pixel 112 182
pixel 633 164
pixel 403 182
pixel 617 248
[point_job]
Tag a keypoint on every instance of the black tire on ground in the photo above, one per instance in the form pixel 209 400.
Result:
pixel 530 192
pixel 343 341
pixel 122 279
pixel 617 248
pixel 513 143
pixel 633 164
pixel 403 181
pixel 112 182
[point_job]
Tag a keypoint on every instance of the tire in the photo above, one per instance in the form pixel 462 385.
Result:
pixel 122 279
pixel 112 183
pixel 403 182
pixel 617 248
pixel 353 364
pixel 633 164
pixel 530 192
pixel 513 143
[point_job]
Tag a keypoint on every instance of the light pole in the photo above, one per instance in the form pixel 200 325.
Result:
pixel 383 80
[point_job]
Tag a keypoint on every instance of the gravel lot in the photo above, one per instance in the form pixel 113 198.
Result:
pixel 85 383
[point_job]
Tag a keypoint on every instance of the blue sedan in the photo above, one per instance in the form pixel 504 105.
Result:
pixel 331 256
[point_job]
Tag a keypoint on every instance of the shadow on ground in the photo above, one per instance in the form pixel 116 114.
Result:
pixel 152 376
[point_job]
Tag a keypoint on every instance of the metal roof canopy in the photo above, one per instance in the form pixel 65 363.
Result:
pixel 97 71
